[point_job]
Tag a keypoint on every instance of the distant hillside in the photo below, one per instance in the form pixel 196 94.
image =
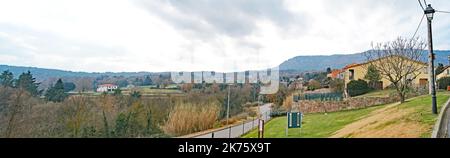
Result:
pixel 296 64
pixel 320 63
pixel 42 73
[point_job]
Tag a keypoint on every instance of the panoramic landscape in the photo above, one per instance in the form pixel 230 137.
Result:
pixel 225 69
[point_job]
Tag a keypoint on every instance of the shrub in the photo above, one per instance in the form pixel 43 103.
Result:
pixel 313 85
pixel 136 94
pixel 443 82
pixel 188 118
pixel 117 92
pixel 337 85
pixel 357 87
pixel 277 113
pixel 287 104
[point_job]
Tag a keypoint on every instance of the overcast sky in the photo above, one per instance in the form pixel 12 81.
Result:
pixel 192 35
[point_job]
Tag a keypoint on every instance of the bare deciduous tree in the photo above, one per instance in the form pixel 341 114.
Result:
pixel 84 84
pixel 399 61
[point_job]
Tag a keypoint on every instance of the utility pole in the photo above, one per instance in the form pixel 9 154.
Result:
pixel 429 12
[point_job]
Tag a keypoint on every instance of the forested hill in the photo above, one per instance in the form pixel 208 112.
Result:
pixel 42 73
pixel 320 63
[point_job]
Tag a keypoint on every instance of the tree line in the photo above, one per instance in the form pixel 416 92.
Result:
pixel 26 82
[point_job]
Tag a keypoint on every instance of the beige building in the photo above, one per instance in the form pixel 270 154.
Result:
pixel 358 71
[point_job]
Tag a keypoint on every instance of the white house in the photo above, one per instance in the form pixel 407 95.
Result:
pixel 107 88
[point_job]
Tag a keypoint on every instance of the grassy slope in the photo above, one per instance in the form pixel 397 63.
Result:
pixel 422 114
pixel 321 125
pixel 314 125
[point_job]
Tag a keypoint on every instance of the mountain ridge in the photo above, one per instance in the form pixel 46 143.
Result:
pixel 306 63
pixel 337 61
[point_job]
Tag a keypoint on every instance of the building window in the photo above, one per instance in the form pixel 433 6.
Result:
pixel 352 74
pixel 425 70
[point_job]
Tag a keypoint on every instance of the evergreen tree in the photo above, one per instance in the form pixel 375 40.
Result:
pixel 7 79
pixel 148 81
pixel 122 83
pixel 138 82
pixel 440 68
pixel 28 83
pixel 328 70
pixel 69 86
pixel 373 75
pixel 56 92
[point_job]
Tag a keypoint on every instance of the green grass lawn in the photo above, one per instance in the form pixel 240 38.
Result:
pixel 314 125
pixel 324 125
pixel 379 93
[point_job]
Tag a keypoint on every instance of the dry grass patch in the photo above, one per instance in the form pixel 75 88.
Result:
pixel 188 118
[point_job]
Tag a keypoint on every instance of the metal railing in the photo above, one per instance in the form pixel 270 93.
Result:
pixel 236 131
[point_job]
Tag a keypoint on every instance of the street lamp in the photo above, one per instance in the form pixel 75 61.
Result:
pixel 429 12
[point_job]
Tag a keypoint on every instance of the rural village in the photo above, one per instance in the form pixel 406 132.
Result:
pixel 125 72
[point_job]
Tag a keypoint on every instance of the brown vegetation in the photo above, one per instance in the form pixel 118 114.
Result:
pixel 383 123
pixel 80 116
pixel 116 115
pixel 189 118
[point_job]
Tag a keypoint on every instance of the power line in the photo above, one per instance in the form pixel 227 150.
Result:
pixel 443 11
pixel 421 20
pixel 421 5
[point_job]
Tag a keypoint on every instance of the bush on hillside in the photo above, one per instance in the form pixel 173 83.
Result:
pixel 337 85
pixel 357 87
pixel 313 85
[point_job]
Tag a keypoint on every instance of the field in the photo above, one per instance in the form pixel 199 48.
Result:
pixel 144 90
pixel 147 91
pixel 412 119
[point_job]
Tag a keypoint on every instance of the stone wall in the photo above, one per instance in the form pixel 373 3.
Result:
pixel 317 106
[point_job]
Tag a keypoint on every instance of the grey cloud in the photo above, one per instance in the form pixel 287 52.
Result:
pixel 22 41
pixel 234 18
pixel 39 48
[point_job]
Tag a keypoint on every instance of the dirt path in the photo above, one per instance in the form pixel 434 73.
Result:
pixel 386 122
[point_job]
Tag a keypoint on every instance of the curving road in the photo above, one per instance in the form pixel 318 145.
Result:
pixel 236 131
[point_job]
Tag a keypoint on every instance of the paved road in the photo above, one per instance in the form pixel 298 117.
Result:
pixel 447 123
pixel 237 130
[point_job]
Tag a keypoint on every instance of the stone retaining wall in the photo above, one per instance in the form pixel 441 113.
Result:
pixel 317 106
